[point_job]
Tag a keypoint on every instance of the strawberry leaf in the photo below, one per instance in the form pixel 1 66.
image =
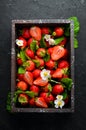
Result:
pixel 34 46
pixel 59 40
pixel 21 70
pixel 67 82
pixel 22 55
pixel 30 93
pixel 46 57
pixel 43 43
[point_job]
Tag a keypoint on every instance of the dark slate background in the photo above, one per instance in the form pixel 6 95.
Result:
pixel 37 9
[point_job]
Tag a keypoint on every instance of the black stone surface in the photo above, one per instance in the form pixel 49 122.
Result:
pixel 40 9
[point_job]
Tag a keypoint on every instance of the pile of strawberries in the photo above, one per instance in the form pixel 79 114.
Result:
pixel 41 49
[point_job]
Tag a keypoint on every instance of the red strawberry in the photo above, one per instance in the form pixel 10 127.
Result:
pixel 25 33
pixel 41 61
pixel 20 76
pixel 28 77
pixel 63 64
pixel 58 73
pixel 40 82
pixel 35 32
pixel 47 97
pixel 57 53
pixel 23 99
pixel 22 85
pixel 45 30
pixel 29 65
pixel 50 50
pixel 50 64
pixel 63 42
pixel 29 41
pixel 66 53
pixel 19 61
pixel 35 89
pixel 41 52
pixel 32 102
pixel 47 88
pixel 29 53
pixel 24 42
pixel 40 102
pixel 57 89
pixel 36 73
pixel 58 31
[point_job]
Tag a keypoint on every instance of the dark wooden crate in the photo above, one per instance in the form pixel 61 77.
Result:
pixel 17 24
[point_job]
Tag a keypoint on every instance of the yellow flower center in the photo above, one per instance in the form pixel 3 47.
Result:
pixel 59 103
pixel 45 74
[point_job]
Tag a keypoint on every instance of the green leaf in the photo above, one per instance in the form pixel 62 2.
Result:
pixel 75 43
pixel 76 25
pixel 21 70
pixel 22 55
pixel 64 94
pixel 34 46
pixel 37 63
pixel 42 43
pixel 67 82
pixel 30 93
pixel 8 104
pixel 59 40
pixel 46 57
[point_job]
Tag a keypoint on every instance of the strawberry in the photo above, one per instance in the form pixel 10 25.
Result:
pixel 23 99
pixel 36 73
pixel 30 41
pixel 32 102
pixel 22 85
pixel 63 64
pixel 29 65
pixel 35 32
pixel 29 53
pixel 57 89
pixel 24 42
pixel 47 88
pixel 57 53
pixel 58 73
pixel 28 77
pixel 40 102
pixel 41 61
pixel 25 33
pixel 35 89
pixel 47 97
pixel 66 53
pixel 58 32
pixel 45 30
pixel 50 50
pixel 62 43
pixel 40 82
pixel 19 61
pixel 50 64
pixel 41 52
pixel 20 76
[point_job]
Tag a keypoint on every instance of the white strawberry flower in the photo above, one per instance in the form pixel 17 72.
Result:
pixel 47 37
pixel 59 103
pixel 51 41
pixel 45 74
pixel 19 42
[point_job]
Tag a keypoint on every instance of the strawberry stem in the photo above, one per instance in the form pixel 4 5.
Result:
pixel 53 81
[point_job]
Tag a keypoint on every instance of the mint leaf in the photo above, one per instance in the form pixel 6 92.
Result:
pixel 8 104
pixel 76 25
pixel 59 40
pixel 42 43
pixel 21 70
pixel 75 43
pixel 46 57
pixel 33 46
pixel 22 55
pixel 67 82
